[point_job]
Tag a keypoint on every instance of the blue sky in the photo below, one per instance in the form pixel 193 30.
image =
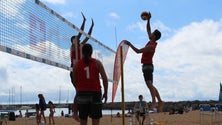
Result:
pixel 187 59
pixel 124 15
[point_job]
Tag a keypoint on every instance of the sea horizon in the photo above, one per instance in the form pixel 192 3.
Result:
pixel 66 112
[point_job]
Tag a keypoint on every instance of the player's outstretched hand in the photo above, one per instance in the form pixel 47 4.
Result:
pixel 84 18
pixel 127 42
pixel 92 22
pixel 149 15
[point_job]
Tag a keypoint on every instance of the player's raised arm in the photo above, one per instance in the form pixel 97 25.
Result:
pixel 141 50
pixel 82 26
pixel 148 28
pixel 89 33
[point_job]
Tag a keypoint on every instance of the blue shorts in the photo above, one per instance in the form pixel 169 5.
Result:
pixel 89 104
pixel 148 72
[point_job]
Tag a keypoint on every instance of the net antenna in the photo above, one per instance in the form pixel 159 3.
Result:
pixel 114 64
pixel 116 36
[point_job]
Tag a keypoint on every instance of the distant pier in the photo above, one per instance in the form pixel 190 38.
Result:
pixel 31 106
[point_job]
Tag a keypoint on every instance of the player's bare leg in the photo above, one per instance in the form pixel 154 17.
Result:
pixel 75 110
pixel 160 102
pixel 152 92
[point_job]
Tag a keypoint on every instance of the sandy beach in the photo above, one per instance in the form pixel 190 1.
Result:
pixel 190 118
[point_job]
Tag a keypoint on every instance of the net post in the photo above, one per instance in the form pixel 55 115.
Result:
pixel 122 85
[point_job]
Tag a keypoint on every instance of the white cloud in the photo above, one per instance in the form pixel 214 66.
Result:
pixel 141 25
pixel 68 15
pixel 159 25
pixel 33 77
pixel 187 65
pixel 138 25
pixel 8 8
pixel 114 15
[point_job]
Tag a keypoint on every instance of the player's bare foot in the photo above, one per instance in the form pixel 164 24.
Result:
pixel 153 105
pixel 160 106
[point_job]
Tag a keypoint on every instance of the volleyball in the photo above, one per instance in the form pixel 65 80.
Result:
pixel 144 15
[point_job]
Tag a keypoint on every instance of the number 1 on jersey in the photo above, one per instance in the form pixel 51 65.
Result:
pixel 87 72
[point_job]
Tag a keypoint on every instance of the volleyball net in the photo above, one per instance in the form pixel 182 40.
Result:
pixel 31 30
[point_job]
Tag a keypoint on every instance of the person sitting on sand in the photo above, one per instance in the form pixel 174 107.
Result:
pixel 118 114
pixel 140 108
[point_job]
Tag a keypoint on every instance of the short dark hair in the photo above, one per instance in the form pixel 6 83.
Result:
pixel 157 33
pixel 140 96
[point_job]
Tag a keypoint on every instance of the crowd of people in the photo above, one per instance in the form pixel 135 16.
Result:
pixel 40 109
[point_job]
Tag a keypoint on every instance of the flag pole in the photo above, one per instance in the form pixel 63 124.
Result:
pixel 122 85
pixel 220 94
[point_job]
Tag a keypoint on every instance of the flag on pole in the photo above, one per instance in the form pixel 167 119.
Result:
pixel 117 66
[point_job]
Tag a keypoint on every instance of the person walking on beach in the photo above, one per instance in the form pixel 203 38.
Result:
pixel 147 62
pixel 20 114
pixel 75 55
pixel 42 106
pixel 38 116
pixel 62 113
pixel 87 79
pixel 141 108
pixel 51 112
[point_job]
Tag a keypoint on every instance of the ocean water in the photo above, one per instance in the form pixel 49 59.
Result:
pixel 65 110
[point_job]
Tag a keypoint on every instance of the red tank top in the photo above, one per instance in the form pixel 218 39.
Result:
pixel 147 57
pixel 88 76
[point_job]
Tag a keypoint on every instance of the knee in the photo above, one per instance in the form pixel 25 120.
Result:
pixel 149 84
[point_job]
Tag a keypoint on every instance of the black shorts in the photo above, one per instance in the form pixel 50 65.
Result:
pixel 89 104
pixel 140 113
pixel 148 72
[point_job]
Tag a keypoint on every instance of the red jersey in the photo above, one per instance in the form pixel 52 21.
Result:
pixel 76 54
pixel 88 76
pixel 147 57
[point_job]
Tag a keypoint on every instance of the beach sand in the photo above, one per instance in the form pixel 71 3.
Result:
pixel 190 118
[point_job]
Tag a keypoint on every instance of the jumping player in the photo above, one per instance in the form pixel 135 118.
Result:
pixel 75 55
pixel 147 62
